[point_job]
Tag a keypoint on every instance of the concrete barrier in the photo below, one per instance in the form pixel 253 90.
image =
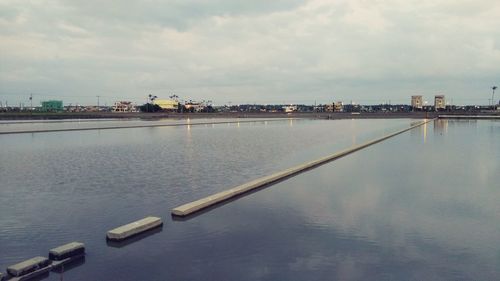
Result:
pixel 444 116
pixel 28 266
pixel 66 254
pixel 39 274
pixel 67 251
pixel 138 126
pixel 192 207
pixel 131 229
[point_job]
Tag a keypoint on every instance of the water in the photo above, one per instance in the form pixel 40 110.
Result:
pixel 13 126
pixel 420 206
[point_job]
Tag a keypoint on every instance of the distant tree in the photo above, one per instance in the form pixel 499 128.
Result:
pixel 149 107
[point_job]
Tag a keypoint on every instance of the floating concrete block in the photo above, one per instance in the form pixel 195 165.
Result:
pixel 67 251
pixel 34 274
pixel 134 228
pixel 28 266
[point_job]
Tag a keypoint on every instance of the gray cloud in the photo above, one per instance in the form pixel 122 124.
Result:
pixel 258 51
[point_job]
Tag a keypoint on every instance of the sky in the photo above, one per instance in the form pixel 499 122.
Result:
pixel 259 51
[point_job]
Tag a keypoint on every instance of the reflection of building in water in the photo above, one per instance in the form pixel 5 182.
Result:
pixel 420 131
pixel 441 126
pixel 439 102
pixel 416 102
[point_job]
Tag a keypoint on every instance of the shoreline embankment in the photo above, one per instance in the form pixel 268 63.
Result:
pixel 198 115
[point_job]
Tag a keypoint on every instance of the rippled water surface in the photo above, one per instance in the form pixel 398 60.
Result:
pixel 420 206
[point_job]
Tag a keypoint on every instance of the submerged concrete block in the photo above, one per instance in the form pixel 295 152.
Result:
pixel 28 266
pixel 134 228
pixel 67 251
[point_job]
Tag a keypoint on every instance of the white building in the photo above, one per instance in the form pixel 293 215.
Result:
pixel 416 102
pixel 439 102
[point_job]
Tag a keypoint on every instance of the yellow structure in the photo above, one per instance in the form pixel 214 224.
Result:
pixel 167 104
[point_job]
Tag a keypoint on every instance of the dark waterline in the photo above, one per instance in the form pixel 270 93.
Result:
pixel 421 206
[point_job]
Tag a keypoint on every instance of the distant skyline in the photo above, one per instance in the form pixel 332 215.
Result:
pixel 265 52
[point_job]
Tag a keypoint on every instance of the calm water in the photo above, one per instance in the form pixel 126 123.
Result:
pixel 420 206
pixel 39 125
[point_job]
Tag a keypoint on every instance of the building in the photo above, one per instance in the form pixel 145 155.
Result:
pixel 329 107
pixel 52 106
pixel 416 102
pixel 124 106
pixel 167 104
pixel 339 106
pixel 290 108
pixel 192 106
pixel 439 102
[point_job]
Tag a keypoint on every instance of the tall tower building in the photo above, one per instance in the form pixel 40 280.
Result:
pixel 439 102
pixel 416 102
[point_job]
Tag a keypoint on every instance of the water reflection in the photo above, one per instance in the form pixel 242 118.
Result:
pixel 384 213
pixel 441 126
pixel 69 266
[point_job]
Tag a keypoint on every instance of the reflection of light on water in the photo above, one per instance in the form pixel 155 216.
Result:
pixel 189 127
pixel 425 132
pixel 290 122
pixel 353 130
pixel 265 123
pixel 238 124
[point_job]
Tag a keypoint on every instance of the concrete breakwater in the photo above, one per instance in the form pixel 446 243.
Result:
pixel 38 266
pixel 467 117
pixel 139 126
pixel 198 205
pixel 134 228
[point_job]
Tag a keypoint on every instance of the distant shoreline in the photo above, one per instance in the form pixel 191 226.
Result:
pixel 170 115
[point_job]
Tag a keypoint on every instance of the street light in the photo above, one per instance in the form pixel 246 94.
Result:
pixel 493 96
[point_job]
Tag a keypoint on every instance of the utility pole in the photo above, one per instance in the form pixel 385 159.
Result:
pixel 31 104
pixel 98 108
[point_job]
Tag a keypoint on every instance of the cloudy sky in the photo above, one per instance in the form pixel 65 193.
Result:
pixel 259 51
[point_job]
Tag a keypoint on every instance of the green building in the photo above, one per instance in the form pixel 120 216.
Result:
pixel 52 106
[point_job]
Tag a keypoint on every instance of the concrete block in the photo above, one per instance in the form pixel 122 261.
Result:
pixel 67 251
pixel 1 276
pixel 195 206
pixel 28 266
pixel 134 228
pixel 35 274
